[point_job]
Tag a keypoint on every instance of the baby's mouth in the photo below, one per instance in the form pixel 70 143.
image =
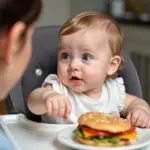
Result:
pixel 75 79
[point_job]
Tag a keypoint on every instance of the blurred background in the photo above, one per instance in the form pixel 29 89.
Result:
pixel 133 17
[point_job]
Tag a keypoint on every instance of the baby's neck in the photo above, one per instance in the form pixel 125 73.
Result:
pixel 95 94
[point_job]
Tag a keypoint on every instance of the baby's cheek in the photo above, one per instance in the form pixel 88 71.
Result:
pixel 63 79
pixel 95 79
pixel 60 71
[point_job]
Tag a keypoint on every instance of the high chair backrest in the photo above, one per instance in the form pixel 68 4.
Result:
pixel 44 62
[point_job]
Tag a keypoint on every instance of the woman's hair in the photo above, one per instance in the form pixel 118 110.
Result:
pixel 100 21
pixel 12 11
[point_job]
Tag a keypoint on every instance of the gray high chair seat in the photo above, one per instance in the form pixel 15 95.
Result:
pixel 44 62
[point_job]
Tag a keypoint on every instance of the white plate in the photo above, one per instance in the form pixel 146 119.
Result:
pixel 65 137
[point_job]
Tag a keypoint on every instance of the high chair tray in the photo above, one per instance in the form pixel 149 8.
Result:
pixel 29 135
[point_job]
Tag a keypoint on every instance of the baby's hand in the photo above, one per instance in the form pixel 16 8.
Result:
pixel 57 105
pixel 139 118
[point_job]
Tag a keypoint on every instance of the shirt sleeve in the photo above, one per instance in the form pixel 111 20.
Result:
pixel 121 89
pixel 56 84
pixel 5 142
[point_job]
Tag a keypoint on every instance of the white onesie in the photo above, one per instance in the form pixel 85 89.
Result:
pixel 111 100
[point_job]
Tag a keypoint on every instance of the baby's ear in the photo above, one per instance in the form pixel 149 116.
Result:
pixel 114 65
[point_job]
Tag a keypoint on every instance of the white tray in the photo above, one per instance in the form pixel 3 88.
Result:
pixel 29 135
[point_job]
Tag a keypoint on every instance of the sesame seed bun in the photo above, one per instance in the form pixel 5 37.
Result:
pixel 104 122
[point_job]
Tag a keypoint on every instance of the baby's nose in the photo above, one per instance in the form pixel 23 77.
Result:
pixel 75 65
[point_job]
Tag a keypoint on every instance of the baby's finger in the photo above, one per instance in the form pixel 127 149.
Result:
pixel 129 117
pixel 48 107
pixel 62 108
pixel 139 121
pixel 144 123
pixel 148 125
pixel 68 108
pixel 55 107
pixel 134 118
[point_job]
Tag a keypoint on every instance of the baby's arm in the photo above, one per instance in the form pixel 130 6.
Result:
pixel 36 102
pixel 45 100
pixel 137 111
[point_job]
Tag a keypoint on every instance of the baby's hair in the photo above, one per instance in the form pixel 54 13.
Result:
pixel 12 11
pixel 100 21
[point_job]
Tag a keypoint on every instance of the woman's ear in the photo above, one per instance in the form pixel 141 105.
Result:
pixel 114 65
pixel 13 42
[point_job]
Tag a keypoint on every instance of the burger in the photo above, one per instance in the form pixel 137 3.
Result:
pixel 99 129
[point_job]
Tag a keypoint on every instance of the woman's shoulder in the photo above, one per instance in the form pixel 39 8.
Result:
pixel 5 142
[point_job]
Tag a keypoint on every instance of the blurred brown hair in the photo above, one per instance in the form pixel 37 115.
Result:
pixel 12 11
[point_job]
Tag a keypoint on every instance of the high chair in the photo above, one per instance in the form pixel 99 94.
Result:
pixel 44 62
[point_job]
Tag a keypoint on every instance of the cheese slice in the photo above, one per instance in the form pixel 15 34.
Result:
pixel 87 134
pixel 129 136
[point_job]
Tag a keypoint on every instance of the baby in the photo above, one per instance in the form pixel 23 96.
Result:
pixel 89 58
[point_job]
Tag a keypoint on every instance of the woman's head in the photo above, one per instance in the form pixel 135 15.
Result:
pixel 90 46
pixel 17 19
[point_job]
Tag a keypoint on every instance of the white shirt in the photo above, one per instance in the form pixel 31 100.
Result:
pixel 111 100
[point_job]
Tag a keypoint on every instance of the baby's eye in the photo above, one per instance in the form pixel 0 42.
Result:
pixel 86 57
pixel 65 56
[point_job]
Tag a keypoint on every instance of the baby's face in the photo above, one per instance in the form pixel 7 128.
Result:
pixel 83 60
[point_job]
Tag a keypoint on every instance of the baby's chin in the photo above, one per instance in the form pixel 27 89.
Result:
pixel 77 90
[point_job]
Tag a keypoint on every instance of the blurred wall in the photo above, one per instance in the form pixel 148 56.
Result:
pixel 56 12
pixel 77 6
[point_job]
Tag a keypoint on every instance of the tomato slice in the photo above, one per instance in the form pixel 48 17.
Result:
pixel 96 132
pixel 131 130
